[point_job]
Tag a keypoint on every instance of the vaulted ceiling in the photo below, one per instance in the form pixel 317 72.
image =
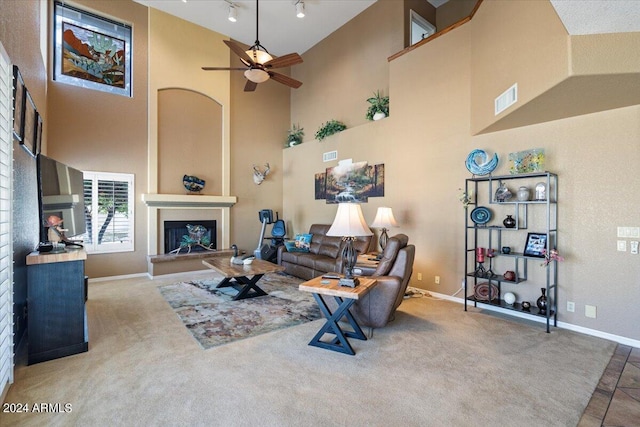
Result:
pixel 282 32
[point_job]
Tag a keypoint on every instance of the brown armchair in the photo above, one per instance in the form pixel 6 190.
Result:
pixel 377 308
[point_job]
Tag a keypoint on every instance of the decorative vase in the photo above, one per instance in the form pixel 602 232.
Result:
pixel 502 193
pixel 379 115
pixel 509 222
pixel 542 301
pixel 523 194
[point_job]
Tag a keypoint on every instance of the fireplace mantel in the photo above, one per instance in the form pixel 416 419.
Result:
pixel 188 201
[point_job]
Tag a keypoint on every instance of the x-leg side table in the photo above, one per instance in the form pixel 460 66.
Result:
pixel 345 297
pixel 243 277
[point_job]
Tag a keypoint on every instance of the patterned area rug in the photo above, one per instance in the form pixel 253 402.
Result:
pixel 214 318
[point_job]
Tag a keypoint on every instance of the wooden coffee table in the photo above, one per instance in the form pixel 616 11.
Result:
pixel 345 297
pixel 244 278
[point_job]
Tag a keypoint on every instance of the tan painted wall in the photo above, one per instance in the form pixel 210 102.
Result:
pixel 258 135
pixel 452 11
pixel 351 61
pixel 427 137
pixel 97 131
pixel 508 47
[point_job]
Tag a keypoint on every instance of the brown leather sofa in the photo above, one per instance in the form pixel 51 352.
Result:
pixel 324 256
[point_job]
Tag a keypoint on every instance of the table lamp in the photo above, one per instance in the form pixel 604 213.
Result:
pixel 384 220
pixel 349 224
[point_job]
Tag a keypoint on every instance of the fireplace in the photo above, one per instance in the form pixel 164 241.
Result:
pixel 174 231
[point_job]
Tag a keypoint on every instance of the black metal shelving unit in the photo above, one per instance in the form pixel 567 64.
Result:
pixel 483 189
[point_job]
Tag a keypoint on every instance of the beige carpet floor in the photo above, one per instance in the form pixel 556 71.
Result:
pixel 435 365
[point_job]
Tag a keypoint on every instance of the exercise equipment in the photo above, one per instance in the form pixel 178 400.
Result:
pixel 269 252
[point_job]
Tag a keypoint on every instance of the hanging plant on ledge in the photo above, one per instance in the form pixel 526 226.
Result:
pixel 379 108
pixel 294 135
pixel 329 128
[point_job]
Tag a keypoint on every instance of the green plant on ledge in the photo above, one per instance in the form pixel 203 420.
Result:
pixel 379 108
pixel 294 135
pixel 329 128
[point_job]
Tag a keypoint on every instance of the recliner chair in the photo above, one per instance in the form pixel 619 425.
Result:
pixel 377 308
pixel 394 270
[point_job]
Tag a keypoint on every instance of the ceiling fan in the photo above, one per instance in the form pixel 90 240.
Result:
pixel 259 63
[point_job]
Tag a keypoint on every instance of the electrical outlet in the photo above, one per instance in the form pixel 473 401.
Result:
pixel 571 306
pixel 419 276
pixel 590 311
pixel 437 280
pixel 622 245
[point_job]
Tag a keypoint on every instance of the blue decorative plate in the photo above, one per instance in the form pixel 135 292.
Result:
pixel 486 165
pixel 481 215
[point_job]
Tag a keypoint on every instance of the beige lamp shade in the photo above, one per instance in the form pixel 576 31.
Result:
pixel 349 222
pixel 384 218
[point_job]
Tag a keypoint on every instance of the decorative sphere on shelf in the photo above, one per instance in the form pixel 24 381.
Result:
pixel 509 298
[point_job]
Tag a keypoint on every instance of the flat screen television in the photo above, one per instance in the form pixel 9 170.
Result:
pixel 61 193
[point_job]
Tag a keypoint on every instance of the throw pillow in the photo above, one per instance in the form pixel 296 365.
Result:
pixel 301 243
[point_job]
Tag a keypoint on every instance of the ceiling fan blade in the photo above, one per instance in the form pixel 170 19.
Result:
pixel 238 50
pixel 250 86
pixel 284 61
pixel 223 68
pixel 285 80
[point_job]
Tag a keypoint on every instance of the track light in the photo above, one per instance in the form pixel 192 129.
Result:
pixel 232 13
pixel 300 9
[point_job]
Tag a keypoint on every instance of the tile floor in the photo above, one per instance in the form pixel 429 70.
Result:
pixel 616 400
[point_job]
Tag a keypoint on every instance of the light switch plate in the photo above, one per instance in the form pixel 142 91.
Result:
pixel 590 311
pixel 622 245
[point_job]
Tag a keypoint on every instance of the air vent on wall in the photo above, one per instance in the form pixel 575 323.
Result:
pixel 506 99
pixel 329 155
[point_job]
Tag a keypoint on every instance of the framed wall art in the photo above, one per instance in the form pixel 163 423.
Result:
pixel 38 134
pixel 18 104
pixel 91 51
pixel 536 245
pixel 29 126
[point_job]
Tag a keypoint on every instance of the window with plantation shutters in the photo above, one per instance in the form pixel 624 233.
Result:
pixel 6 245
pixel 108 200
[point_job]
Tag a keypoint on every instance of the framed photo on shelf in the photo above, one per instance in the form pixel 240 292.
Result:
pixel 18 104
pixel 536 245
pixel 29 126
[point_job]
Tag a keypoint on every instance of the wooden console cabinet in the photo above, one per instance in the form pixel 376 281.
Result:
pixel 56 320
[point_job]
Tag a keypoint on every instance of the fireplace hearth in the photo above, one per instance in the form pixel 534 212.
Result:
pixel 176 232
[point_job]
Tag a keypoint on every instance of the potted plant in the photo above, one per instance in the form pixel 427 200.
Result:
pixel 329 128
pixel 294 135
pixel 379 106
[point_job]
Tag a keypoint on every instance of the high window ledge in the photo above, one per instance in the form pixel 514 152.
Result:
pixel 188 201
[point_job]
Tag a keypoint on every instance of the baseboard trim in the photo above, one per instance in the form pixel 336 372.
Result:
pixel 108 278
pixel 564 325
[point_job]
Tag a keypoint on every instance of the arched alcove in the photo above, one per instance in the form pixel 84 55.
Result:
pixel 189 140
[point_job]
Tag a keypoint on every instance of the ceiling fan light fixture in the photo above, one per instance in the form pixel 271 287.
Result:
pixel 259 56
pixel 256 75
pixel 300 9
pixel 233 15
